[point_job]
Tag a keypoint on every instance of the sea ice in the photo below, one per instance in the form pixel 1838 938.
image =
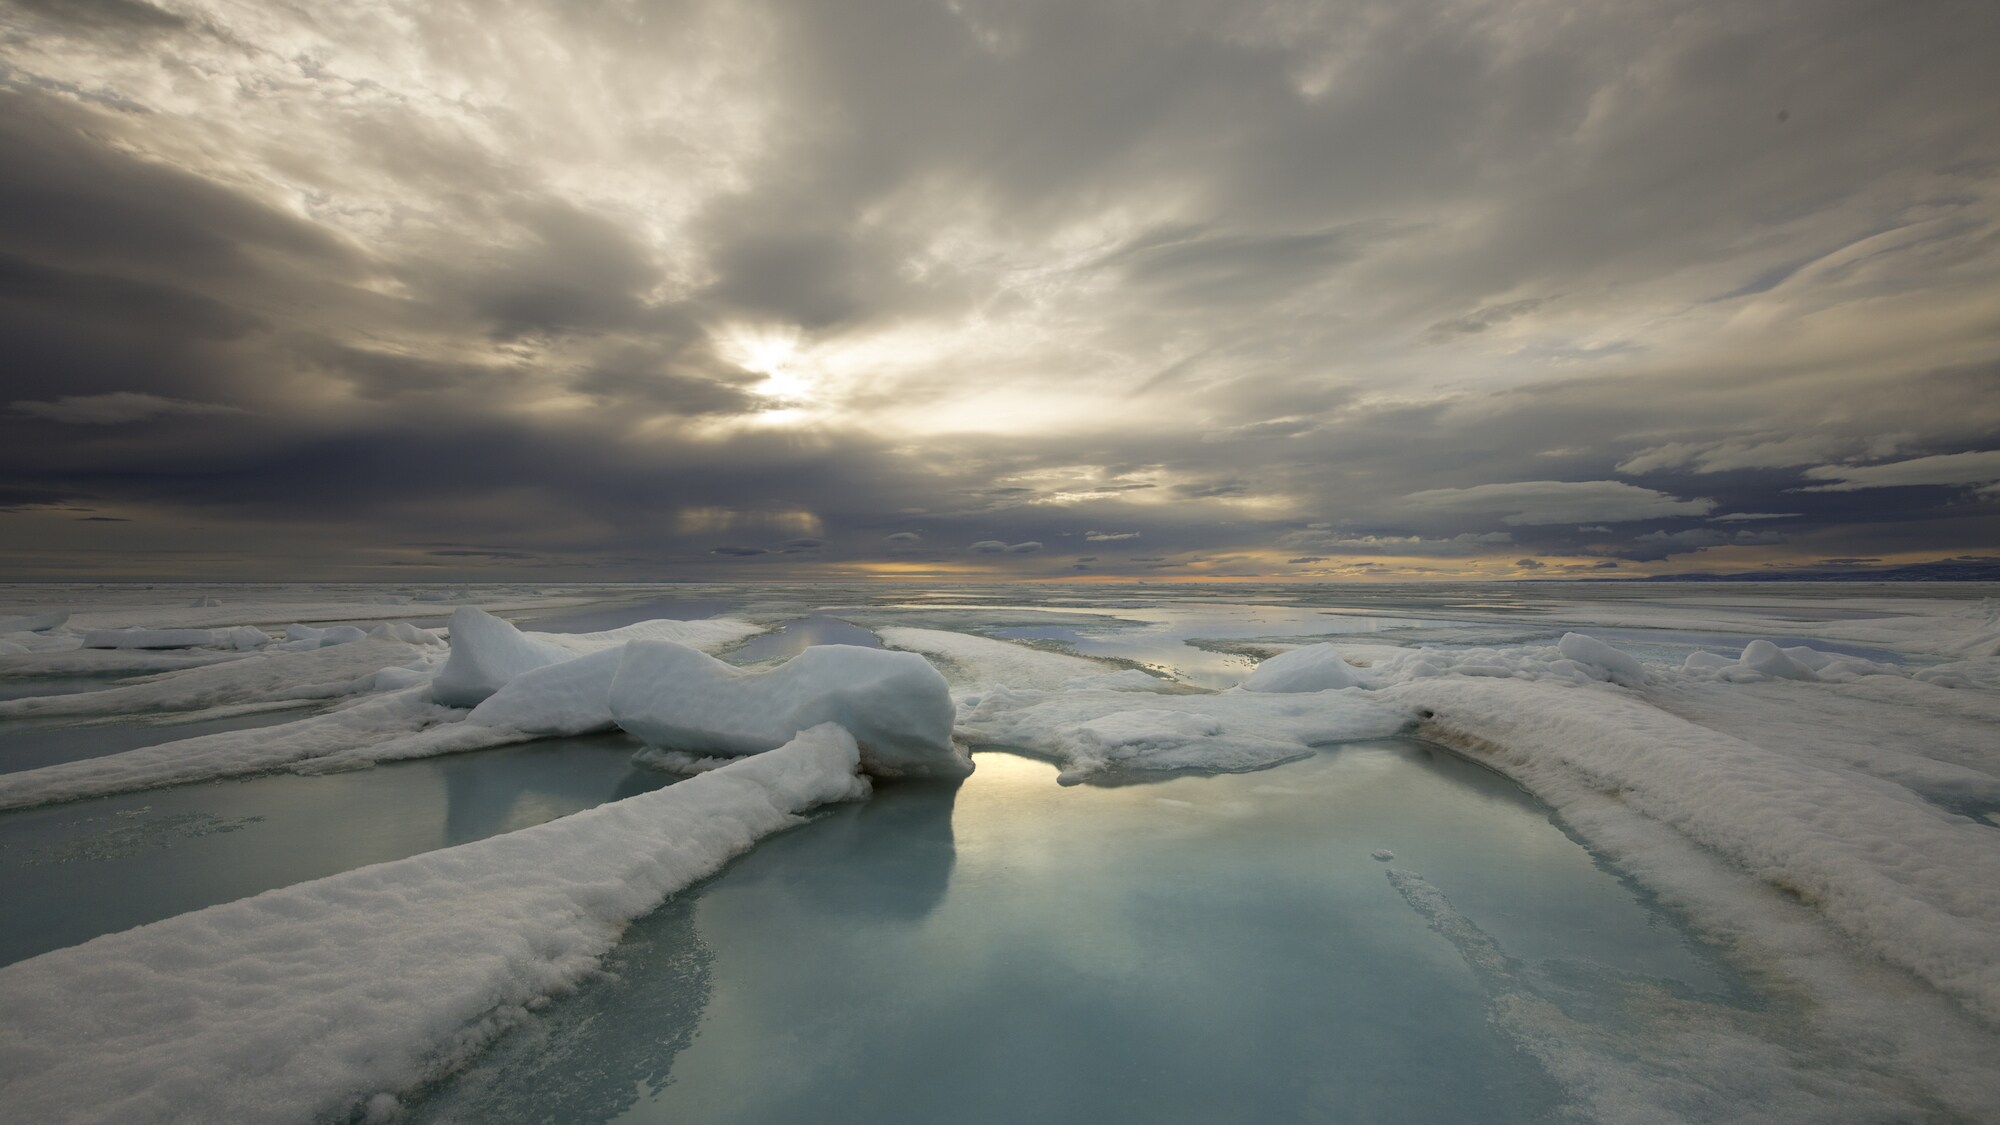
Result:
pixel 1309 668
pixel 895 704
pixel 303 1003
pixel 486 653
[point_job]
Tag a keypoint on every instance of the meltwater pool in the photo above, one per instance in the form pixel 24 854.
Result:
pixel 1336 939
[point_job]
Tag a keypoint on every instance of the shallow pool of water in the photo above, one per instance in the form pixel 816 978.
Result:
pixel 799 634
pixel 23 687
pixel 1221 948
pixel 27 744
pixel 73 871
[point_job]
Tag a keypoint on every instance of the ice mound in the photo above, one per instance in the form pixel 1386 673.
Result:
pixel 305 1003
pixel 405 632
pixel 1764 660
pixel 573 697
pixel 1618 667
pixel 486 653
pixel 39 623
pixel 895 704
pixel 1312 668
pixel 1768 659
pixel 304 638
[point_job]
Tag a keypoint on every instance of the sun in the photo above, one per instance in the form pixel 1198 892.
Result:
pixel 774 354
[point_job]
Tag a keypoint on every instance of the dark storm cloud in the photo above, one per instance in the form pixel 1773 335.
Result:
pixel 105 15
pixel 686 284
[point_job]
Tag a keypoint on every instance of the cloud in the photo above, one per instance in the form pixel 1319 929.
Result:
pixel 1479 320
pixel 1552 502
pixel 1108 536
pixel 1759 453
pixel 1011 309
pixel 1978 467
pixel 1529 564
pixel 903 537
pixel 116 407
pixel 1663 544
pixel 739 552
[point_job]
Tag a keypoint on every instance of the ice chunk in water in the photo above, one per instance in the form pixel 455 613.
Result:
pixel 897 706
pixel 1312 668
pixel 1619 667
pixel 486 653
pixel 1768 659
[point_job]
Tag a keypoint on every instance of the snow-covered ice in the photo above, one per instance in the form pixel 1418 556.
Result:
pixel 1309 668
pixel 894 703
pixel 1820 789
pixel 302 1003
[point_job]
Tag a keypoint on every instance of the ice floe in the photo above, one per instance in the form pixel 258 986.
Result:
pixel 320 999
pixel 894 703
pixel 1823 811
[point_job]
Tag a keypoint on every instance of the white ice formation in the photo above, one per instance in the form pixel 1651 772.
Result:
pixel 1310 668
pixel 1831 815
pixel 303 1003
pixel 895 704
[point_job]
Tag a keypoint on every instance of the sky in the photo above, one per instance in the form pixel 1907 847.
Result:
pixel 965 289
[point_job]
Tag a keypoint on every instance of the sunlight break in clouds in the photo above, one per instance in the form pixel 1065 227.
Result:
pixel 528 276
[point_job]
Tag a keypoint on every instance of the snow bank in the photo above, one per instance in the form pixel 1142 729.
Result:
pixel 1918 886
pixel 1309 668
pixel 894 703
pixel 302 1004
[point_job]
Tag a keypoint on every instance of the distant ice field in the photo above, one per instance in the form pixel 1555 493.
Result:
pixel 1614 852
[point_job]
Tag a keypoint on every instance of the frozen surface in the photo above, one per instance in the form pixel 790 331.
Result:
pixel 1310 668
pixel 1811 777
pixel 894 703
pixel 387 706
pixel 72 872
pixel 981 662
pixel 263 677
pixel 795 636
pixel 301 1003
pixel 27 744
pixel 487 653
